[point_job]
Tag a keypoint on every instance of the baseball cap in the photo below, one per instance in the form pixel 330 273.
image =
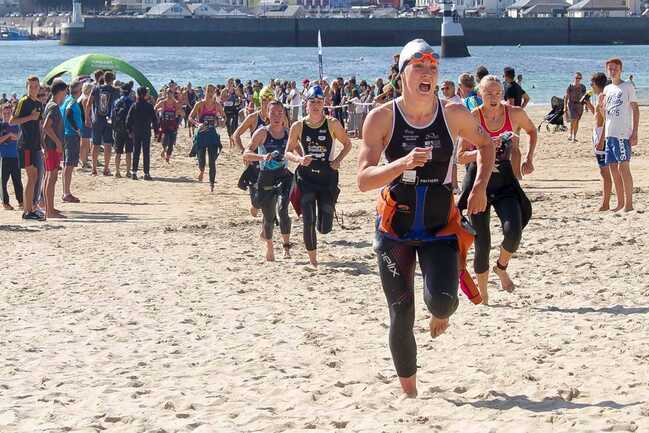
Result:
pixel 411 48
pixel 315 92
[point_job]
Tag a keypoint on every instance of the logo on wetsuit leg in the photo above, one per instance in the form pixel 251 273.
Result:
pixel 392 266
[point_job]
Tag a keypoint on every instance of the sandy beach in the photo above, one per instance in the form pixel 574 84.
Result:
pixel 151 309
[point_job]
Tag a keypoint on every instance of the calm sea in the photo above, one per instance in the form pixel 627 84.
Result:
pixel 547 70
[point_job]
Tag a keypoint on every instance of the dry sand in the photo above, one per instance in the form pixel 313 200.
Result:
pixel 151 309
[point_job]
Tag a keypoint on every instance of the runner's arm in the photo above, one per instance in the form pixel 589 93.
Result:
pixel 193 116
pixel 246 125
pixel 466 154
pixel 526 100
pixel 292 152
pixel 467 126
pixel 251 152
pixel 371 175
pixel 343 138
pixel 523 121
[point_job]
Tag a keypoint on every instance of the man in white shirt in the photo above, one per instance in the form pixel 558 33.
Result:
pixel 448 90
pixel 295 102
pixel 621 132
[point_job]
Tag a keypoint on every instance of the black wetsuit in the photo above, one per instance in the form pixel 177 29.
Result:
pixel 507 198
pixel 248 179
pixel 423 204
pixel 207 140
pixel 274 185
pixel 318 182
pixel 253 168
pixel 231 108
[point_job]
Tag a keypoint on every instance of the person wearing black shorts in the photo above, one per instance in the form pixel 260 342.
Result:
pixel 27 115
pixel 122 140
pixel 417 217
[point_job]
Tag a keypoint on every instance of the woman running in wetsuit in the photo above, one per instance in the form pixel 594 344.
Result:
pixel 417 216
pixel 169 110
pixel 503 191
pixel 317 173
pixel 230 99
pixel 204 116
pixel 267 147
pixel 252 123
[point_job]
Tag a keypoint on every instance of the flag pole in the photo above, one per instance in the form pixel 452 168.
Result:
pixel 320 56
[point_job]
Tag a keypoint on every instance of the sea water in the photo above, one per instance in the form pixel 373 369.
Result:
pixel 546 70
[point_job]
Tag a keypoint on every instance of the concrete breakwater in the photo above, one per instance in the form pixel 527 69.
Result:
pixel 351 32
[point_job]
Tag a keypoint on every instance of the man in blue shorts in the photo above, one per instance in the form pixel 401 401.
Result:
pixel 621 132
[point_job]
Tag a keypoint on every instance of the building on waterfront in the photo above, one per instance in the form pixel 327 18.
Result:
pixel 169 10
pixel 210 10
pixel 538 8
pixel 292 11
pixel 136 5
pixel 598 8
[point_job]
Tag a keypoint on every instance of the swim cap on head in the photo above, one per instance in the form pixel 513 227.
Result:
pixel 266 93
pixel 413 48
pixel 315 92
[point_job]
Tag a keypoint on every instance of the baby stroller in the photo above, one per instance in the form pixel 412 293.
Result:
pixel 555 116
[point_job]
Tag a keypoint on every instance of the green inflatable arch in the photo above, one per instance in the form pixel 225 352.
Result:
pixel 89 63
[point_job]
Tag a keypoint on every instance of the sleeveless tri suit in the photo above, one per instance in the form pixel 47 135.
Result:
pixel 417 217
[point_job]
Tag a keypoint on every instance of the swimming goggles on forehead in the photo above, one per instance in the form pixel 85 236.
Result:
pixel 420 57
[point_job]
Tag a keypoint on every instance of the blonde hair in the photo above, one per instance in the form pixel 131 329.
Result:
pixel 488 79
pixel 86 88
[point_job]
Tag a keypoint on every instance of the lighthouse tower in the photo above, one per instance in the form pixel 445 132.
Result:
pixel 77 18
pixel 453 43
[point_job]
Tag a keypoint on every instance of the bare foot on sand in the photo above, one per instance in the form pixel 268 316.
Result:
pixel 313 258
pixel 628 209
pixel 254 211
pixel 54 215
pixel 200 176
pixel 618 208
pixel 409 386
pixel 485 297
pixel 505 282
pixel 604 207
pixel 438 326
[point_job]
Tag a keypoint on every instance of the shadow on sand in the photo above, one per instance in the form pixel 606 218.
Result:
pixel 617 310
pixel 503 401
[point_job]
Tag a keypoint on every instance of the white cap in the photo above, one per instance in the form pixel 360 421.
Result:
pixel 411 48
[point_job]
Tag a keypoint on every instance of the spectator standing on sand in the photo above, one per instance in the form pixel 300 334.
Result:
pixel 621 132
pixel 573 106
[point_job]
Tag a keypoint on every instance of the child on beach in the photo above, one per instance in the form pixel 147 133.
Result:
pixel 9 156
pixel 598 82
